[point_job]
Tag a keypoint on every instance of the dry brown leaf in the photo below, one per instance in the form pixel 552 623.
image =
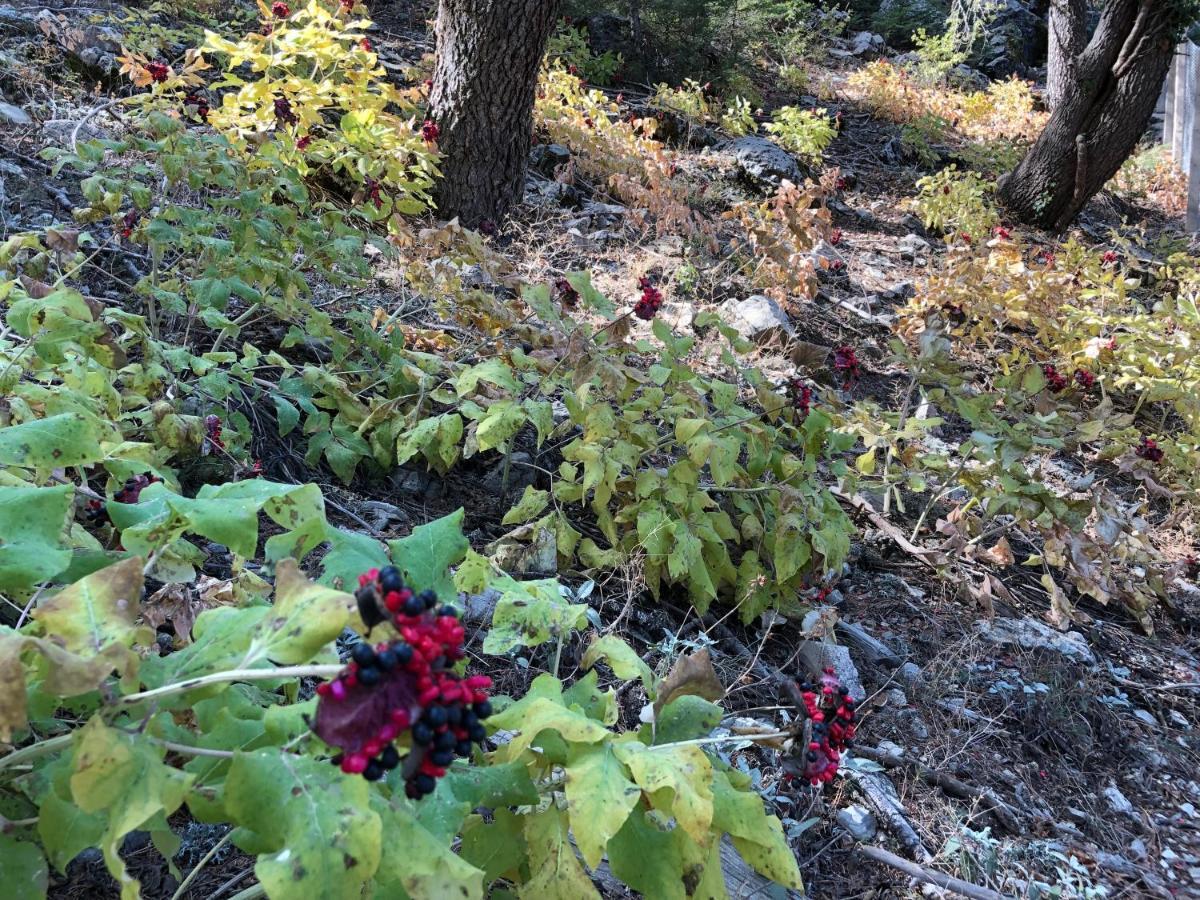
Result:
pixel 34 288
pixel 691 674
pixel 1001 554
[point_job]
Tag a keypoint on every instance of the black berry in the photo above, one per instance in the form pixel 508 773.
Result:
pixel 373 772
pixel 363 654
pixel 390 757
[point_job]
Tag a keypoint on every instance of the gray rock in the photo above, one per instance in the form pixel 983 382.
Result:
pixel 899 292
pixel 14 115
pixel 680 316
pixel 913 245
pixel 867 44
pixel 757 318
pixel 1012 39
pixel 763 161
pixel 897 698
pixel 609 33
pixel 540 192
pixel 521 473
pixel 965 77
pixel 816 655
pixel 859 822
pixel 1118 802
pixel 910 674
pixel 1030 634
pixel 545 158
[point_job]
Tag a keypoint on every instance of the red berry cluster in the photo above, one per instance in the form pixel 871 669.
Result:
pixel 846 364
pixel 566 293
pixel 831 711
pixel 284 114
pixel 212 435
pixel 1149 450
pixel 280 10
pixel 129 493
pixel 158 71
pixel 835 236
pixel 1002 232
pixel 842 183
pixel 801 396
pixel 200 104
pixel 375 192
pixel 365 44
pixel 1084 378
pixel 303 143
pixel 128 223
pixel 1109 258
pixel 348 5
pixel 965 237
pixel 1055 380
pixel 650 301
pixel 1046 257
pixel 837 265
pixel 430 131
pixel 403 685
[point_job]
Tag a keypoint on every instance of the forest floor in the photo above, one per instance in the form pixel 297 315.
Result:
pixel 1086 739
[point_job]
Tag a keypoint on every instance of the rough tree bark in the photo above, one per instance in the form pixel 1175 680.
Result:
pixel 488 54
pixel 1067 36
pixel 1116 80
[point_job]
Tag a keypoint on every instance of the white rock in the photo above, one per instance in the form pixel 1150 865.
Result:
pixel 1030 634
pixel 1118 802
pixel 757 318
pixel 14 115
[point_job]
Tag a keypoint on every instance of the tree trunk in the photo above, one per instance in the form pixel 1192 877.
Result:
pixel 488 54
pixel 1098 122
pixel 1067 38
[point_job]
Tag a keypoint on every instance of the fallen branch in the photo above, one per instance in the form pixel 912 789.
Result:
pixel 1005 815
pixel 929 876
pixel 859 504
pixel 881 794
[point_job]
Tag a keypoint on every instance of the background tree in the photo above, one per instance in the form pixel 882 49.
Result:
pixel 488 54
pixel 1103 107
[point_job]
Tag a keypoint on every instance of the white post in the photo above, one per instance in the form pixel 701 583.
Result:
pixel 1181 105
pixel 1191 164
pixel 1169 108
pixel 1187 162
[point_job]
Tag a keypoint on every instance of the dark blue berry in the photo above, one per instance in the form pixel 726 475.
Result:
pixel 390 757
pixel 428 599
pixel 390 580
pixel 463 748
pixel 442 757
pixel 425 783
pixel 413 606
pixel 454 716
pixel 422 734
pixel 387 659
pixel 403 654
pixel 363 653
pixel 369 677
pixel 435 716
pixel 478 734
pixel 448 610
pixel 483 709
pixel 445 741
pixel 373 771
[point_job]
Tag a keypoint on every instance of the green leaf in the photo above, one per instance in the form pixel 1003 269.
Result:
pixel 493 786
pixel 677 778
pixel 554 869
pixel 312 827
pixel 220 639
pixel 600 797
pixel 350 554
pixel 421 864
pixel 68 439
pixel 22 869
pixel 32 524
pixel 497 847
pixel 426 555
pixel 502 420
pixel 305 618
pixel 100 610
pixel 530 506
pixel 531 717
pixel 64 828
pixel 655 861
pixel 287 417
pixel 686 718
pixel 621 658
pixel 492 371
pixel 591 298
pixel 759 838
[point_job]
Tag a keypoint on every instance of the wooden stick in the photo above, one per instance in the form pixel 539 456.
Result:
pixel 929 876
pixel 955 787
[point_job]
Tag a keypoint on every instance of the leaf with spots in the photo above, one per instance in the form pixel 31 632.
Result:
pixel 677 778
pixel 305 618
pixel 759 838
pixel 600 797
pixel 530 613
pixel 68 439
pixel 312 827
pixel 33 522
pixel 123 777
pixel 98 611
pixel 554 869
pixel 656 861
pixel 621 658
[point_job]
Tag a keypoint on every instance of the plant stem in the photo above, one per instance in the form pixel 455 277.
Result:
pixel 730 739
pixel 183 886
pixel 182 687
pixel 33 751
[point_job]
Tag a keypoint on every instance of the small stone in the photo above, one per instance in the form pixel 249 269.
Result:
pixel 680 316
pixel 1144 715
pixel 896 697
pixel 545 158
pixel 817 655
pixel 1030 634
pixel 913 245
pixel 867 44
pixel 910 675
pixel 14 115
pixel 763 161
pixel 858 822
